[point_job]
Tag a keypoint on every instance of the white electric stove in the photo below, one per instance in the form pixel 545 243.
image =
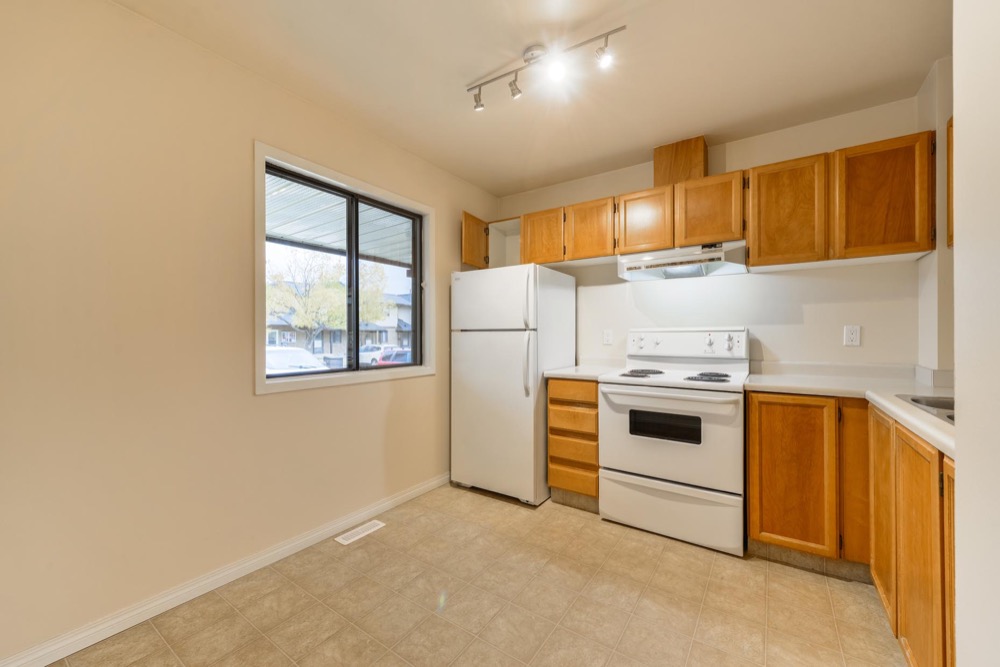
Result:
pixel 671 434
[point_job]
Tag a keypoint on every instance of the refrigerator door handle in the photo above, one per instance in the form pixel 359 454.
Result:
pixel 527 296
pixel 526 361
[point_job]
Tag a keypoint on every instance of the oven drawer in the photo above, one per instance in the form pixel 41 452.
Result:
pixel 681 435
pixel 708 518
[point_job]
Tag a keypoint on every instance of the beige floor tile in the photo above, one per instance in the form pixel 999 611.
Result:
pixel 800 592
pixel 390 659
pixel 732 634
pixel 620 660
pixel 736 600
pixel 594 620
pixel 614 589
pixel 396 570
pixel 398 536
pixel 122 649
pixel 434 550
pixel 649 643
pixel 162 658
pixel 460 532
pixel 684 557
pixel 205 647
pixel 844 569
pixel 872 644
pixel 525 557
pixel 432 589
pixel 279 605
pixel 703 655
pixel 481 654
pixel 799 573
pixel 58 663
pixel 637 567
pixel 545 599
pixel 392 619
pixel 565 649
pixel 807 625
pixel 466 565
pixel 350 646
pixel 302 562
pixel 259 653
pixel 259 582
pixel 325 581
pixel 749 574
pixel 857 603
pixel 365 554
pixel 517 632
pixel 550 537
pixel 190 617
pixel 504 580
pixel 302 633
pixel 567 573
pixel 472 608
pixel 587 552
pixel 399 516
pixel 434 642
pixel 784 650
pixel 358 598
pixel 681 583
pixel 678 614
pixel 428 522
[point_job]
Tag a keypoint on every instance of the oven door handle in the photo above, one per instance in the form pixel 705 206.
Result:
pixel 611 391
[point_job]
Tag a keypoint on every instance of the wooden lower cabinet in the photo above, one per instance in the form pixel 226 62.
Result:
pixel 572 436
pixel 881 430
pixel 948 534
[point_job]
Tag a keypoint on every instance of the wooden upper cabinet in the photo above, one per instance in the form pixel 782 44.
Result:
pixel 948 523
pixel 787 221
pixel 542 236
pixel 646 220
pixel 709 210
pixel 792 472
pixel 475 241
pixel 854 484
pixel 883 199
pixel 589 229
pixel 951 182
pixel 881 431
pixel 680 161
pixel 919 580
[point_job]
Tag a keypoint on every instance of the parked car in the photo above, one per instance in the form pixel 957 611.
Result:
pixel 369 355
pixel 396 357
pixel 290 360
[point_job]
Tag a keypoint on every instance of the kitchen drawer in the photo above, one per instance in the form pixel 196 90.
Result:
pixel 569 418
pixel 576 391
pixel 573 479
pixel 573 449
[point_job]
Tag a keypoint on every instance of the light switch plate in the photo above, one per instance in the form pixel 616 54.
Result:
pixel 852 335
pixel 609 337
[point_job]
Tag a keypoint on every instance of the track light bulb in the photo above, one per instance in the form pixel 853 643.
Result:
pixel 604 57
pixel 477 97
pixel 515 92
pixel 557 70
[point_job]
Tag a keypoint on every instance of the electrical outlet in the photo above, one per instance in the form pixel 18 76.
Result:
pixel 852 335
pixel 609 337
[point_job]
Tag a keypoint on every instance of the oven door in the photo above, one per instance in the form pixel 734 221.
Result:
pixel 687 436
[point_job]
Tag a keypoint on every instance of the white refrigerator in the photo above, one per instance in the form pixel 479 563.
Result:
pixel 508 326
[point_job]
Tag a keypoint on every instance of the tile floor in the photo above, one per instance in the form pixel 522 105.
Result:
pixel 463 578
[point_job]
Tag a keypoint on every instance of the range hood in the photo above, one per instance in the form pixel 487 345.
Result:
pixel 720 259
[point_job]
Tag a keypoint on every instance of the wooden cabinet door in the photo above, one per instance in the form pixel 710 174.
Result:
pixel 475 241
pixel 709 210
pixel 787 216
pixel 884 197
pixel 854 485
pixel 951 182
pixel 542 236
pixel 883 509
pixel 646 220
pixel 919 580
pixel 948 521
pixel 792 472
pixel 589 229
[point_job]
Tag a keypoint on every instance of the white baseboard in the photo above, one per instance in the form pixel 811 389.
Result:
pixel 75 640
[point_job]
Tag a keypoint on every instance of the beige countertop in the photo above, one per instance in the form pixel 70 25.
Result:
pixel 585 372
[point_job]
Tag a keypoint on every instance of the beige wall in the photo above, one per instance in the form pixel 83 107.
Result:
pixel 134 455
pixel 793 317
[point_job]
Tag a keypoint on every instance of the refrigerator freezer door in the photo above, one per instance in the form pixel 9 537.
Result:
pixel 497 438
pixel 494 299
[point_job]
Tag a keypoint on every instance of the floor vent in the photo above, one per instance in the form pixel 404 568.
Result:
pixel 356 534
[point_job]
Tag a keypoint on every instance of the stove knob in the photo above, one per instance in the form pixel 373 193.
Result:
pixel 657 341
pixel 709 342
pixel 729 341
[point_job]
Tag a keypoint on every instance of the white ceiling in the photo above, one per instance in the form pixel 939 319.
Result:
pixel 724 68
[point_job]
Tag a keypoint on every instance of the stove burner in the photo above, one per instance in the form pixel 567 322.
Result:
pixel 641 373
pixel 707 374
pixel 708 377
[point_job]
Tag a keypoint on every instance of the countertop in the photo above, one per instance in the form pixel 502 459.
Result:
pixel 881 391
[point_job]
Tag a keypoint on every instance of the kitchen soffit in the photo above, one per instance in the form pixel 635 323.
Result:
pixel 727 69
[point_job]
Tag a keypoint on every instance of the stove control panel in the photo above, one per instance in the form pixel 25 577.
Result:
pixel 724 343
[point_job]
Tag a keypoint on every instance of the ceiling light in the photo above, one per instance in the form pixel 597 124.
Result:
pixel 555 65
pixel 515 92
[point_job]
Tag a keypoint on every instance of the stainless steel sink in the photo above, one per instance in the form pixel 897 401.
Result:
pixel 942 407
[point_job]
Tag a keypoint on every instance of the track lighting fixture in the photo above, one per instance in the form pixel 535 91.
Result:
pixel 554 63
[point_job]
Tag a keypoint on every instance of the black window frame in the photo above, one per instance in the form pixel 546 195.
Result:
pixel 352 258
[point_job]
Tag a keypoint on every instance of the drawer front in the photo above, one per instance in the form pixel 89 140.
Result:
pixel 573 449
pixel 573 479
pixel 578 391
pixel 567 418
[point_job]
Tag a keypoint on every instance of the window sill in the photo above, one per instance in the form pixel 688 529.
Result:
pixel 277 385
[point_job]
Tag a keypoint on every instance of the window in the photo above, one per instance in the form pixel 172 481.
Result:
pixel 337 263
